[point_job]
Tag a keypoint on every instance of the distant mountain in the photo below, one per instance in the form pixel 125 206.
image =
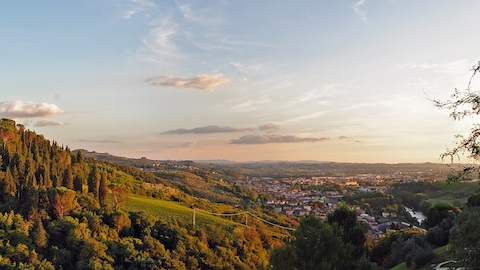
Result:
pixel 216 161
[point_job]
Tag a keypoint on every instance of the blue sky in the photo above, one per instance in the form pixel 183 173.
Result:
pixel 240 80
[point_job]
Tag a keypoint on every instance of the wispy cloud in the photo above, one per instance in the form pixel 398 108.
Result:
pixel 305 117
pixel 48 123
pixel 206 130
pixel 99 141
pixel 453 67
pixel 208 82
pixel 198 16
pixel 23 109
pixel 248 103
pixel 358 9
pixel 265 139
pixel 137 7
pixel 159 44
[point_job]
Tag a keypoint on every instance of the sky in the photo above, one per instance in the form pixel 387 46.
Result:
pixel 345 81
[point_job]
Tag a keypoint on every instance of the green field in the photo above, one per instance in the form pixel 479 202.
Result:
pixel 174 211
pixel 448 193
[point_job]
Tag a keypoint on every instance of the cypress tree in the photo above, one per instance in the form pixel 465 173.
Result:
pixel 78 183
pixel 68 178
pixel 94 181
pixel 102 195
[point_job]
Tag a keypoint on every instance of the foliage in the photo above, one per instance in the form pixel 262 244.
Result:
pixel 464 238
pixel 55 214
pixel 335 244
pixel 440 211
pixel 409 246
pixel 374 202
pixel 464 103
pixel 62 200
pixel 465 233
pixel 120 195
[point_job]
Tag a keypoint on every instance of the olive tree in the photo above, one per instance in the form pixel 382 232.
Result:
pixel 465 233
pixel 464 103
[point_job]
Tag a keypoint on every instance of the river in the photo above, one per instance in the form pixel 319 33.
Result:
pixel 416 214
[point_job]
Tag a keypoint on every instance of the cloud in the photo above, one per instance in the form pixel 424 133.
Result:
pixel 305 117
pixel 206 130
pixel 198 16
pixel 138 7
pixel 22 109
pixel 99 141
pixel 264 139
pixel 159 43
pixel 221 129
pixel 454 67
pixel 48 123
pixel 359 12
pixel 208 82
pixel 269 127
pixel 343 137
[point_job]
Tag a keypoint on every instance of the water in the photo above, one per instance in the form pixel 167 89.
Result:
pixel 416 214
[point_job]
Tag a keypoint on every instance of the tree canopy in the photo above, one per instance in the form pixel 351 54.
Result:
pixel 337 243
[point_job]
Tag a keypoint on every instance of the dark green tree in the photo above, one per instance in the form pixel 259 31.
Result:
pixel 440 211
pixel 94 181
pixel 68 178
pixel 464 238
pixel 352 230
pixel 338 243
pixel 40 234
pixel 80 158
pixel 317 245
pixel 78 183
pixel 103 188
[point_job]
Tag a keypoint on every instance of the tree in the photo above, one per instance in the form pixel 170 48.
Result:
pixel 120 195
pixel 352 230
pixel 103 188
pixel 62 200
pixel 79 158
pixel 94 181
pixel 7 130
pixel 78 183
pixel 337 243
pixel 120 220
pixel 462 104
pixel 68 178
pixel 464 238
pixel 40 234
pixel 466 232
pixel 317 245
pixel 437 213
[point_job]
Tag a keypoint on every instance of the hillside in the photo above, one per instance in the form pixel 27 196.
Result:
pixel 64 210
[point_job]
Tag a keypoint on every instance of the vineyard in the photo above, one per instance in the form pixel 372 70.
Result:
pixel 174 211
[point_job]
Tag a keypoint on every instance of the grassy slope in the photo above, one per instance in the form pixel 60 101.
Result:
pixel 172 211
pixel 449 193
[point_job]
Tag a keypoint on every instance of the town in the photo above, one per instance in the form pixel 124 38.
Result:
pixel 303 196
